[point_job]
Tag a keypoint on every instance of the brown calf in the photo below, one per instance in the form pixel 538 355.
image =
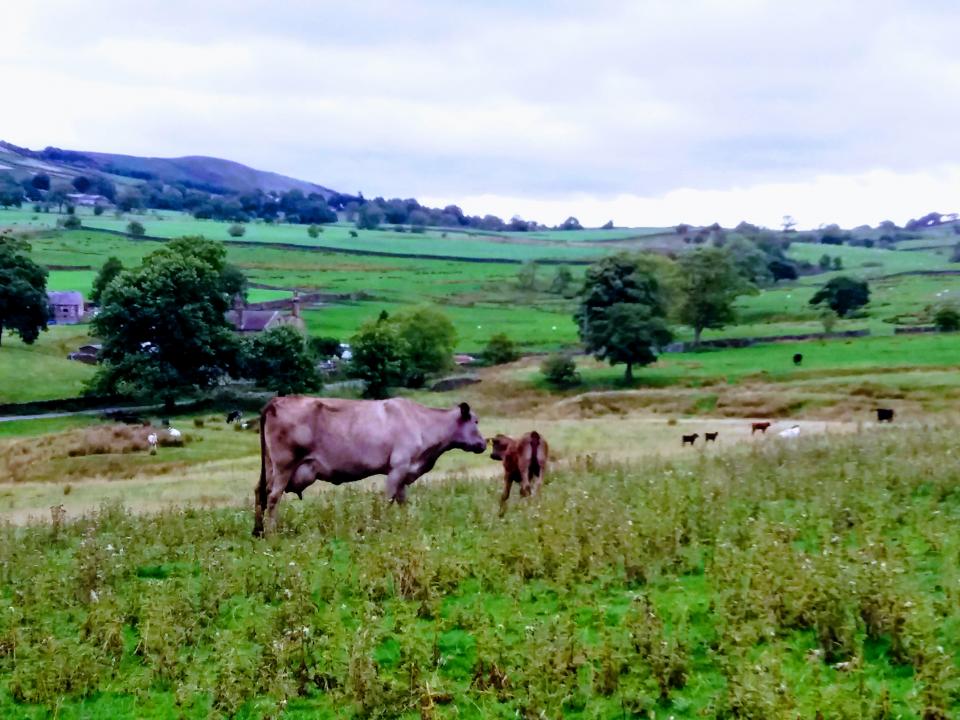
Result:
pixel 524 462
pixel 761 426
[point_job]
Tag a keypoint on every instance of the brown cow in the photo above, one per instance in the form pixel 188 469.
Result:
pixel 524 462
pixel 761 426
pixel 303 439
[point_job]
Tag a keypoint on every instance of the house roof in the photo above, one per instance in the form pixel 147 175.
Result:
pixel 251 320
pixel 65 297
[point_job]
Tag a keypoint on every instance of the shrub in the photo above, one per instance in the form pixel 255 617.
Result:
pixel 98 210
pixel 560 371
pixel 324 347
pixel 236 230
pixel 314 230
pixel 500 349
pixel 947 319
pixel 136 229
pixel 353 233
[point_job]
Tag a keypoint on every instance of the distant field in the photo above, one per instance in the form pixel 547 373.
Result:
pixel 41 371
pixel 556 245
pixel 532 328
pixel 871 262
pixel 772 363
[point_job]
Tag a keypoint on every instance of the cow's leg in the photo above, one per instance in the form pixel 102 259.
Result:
pixel 395 489
pixel 278 484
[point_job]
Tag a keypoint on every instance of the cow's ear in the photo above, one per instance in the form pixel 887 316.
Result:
pixel 464 411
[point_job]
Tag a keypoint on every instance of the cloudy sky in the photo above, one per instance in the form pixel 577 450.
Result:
pixel 646 112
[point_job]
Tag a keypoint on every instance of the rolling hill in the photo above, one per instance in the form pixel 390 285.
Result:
pixel 206 173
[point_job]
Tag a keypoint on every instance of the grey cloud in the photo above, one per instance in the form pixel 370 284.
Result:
pixel 541 100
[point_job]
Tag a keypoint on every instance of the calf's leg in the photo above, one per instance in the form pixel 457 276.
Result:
pixel 507 485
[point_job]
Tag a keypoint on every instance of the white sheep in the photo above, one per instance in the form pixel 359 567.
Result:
pixel 790 432
pixel 174 433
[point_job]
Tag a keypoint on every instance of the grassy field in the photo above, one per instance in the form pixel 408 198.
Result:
pixel 41 371
pixel 483 298
pixel 772 363
pixel 516 247
pixel 783 580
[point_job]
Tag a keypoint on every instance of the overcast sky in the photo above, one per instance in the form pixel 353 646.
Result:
pixel 644 112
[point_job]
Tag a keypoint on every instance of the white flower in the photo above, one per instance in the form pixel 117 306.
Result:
pixel 94 596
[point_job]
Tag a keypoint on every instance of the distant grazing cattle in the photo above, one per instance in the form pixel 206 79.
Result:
pixel 690 439
pixel 710 437
pixel 124 416
pixel 761 426
pixel 790 432
pixel 305 439
pixel 884 415
pixel 524 462
pixel 234 416
pixel 798 358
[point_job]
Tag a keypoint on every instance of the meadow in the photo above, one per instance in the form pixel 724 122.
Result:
pixel 433 242
pixel 810 579
pixel 41 371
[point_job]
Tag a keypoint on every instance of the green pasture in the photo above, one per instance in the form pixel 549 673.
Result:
pixel 533 328
pixel 41 371
pixel 816 578
pixel 44 426
pixel 772 363
pixel 869 262
pixel 591 235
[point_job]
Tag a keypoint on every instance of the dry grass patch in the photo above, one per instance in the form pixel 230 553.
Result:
pixel 101 450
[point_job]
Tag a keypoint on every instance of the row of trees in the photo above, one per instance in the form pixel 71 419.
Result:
pixel 40 188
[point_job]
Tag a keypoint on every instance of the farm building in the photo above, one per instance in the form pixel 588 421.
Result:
pixel 87 200
pixel 258 319
pixel 66 307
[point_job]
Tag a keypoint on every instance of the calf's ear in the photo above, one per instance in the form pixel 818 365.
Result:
pixel 464 411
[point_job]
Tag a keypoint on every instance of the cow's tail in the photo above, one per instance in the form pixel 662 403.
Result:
pixel 535 469
pixel 260 494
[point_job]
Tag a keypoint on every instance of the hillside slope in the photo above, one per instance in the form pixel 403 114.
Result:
pixel 209 173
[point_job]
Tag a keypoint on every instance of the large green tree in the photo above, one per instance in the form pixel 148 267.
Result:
pixel 843 295
pixel 632 334
pixel 163 324
pixel 379 357
pixel 430 338
pixel 281 360
pixel 709 283
pixel 110 269
pixel 23 291
pixel 623 309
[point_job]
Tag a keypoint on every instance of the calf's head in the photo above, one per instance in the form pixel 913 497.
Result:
pixel 499 446
pixel 466 435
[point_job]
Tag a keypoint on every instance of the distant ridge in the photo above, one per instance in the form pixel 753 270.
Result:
pixel 197 171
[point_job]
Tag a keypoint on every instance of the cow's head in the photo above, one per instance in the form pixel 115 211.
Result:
pixel 499 446
pixel 467 435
